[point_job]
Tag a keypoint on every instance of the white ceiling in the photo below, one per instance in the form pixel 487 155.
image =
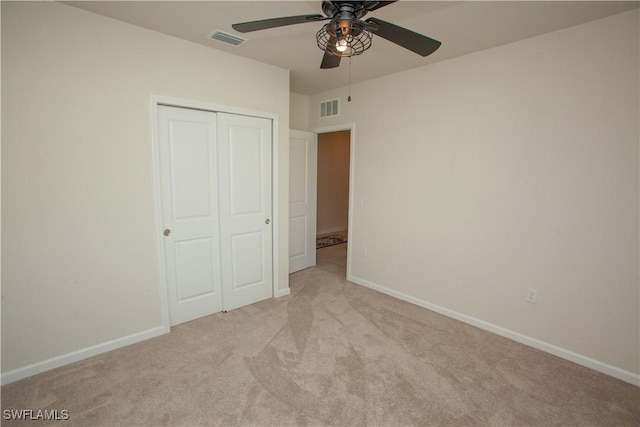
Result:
pixel 462 27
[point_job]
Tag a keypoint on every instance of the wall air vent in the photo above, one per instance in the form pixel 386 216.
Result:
pixel 227 38
pixel 329 108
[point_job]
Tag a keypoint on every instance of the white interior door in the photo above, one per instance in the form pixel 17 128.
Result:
pixel 303 177
pixel 187 155
pixel 244 162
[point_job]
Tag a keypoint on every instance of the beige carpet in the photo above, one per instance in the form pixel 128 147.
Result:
pixel 333 353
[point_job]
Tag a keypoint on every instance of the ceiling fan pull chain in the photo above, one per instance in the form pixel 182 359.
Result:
pixel 349 97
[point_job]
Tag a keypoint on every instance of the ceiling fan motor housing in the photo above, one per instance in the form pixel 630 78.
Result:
pixel 345 10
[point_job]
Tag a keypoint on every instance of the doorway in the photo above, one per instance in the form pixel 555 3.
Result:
pixel 338 257
pixel 333 183
pixel 303 161
pixel 334 152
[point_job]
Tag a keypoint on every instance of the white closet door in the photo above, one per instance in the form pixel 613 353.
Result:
pixel 303 186
pixel 189 200
pixel 244 161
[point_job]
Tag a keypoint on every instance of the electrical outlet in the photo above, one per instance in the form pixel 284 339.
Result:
pixel 532 295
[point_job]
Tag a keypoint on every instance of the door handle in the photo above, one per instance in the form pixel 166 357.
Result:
pixel 267 221
pixel 166 232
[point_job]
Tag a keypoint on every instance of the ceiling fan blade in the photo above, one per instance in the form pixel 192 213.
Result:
pixel 378 4
pixel 330 61
pixel 247 27
pixel 422 45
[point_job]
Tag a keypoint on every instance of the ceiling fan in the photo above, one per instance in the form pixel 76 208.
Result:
pixel 346 34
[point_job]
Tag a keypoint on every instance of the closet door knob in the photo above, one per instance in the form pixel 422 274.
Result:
pixel 267 221
pixel 166 232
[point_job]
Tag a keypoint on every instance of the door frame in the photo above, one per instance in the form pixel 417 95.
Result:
pixel 352 157
pixel 157 100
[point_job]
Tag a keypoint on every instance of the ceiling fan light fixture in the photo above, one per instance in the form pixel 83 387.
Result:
pixel 342 44
pixel 334 40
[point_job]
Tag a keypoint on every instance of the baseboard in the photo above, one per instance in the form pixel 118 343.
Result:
pixel 596 365
pixel 283 292
pixel 56 362
pixel 65 359
pixel 331 231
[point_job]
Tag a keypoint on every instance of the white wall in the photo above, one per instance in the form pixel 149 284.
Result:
pixel 511 168
pixel 80 263
pixel 299 117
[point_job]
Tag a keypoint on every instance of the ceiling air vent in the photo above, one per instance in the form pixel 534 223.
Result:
pixel 329 108
pixel 227 38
